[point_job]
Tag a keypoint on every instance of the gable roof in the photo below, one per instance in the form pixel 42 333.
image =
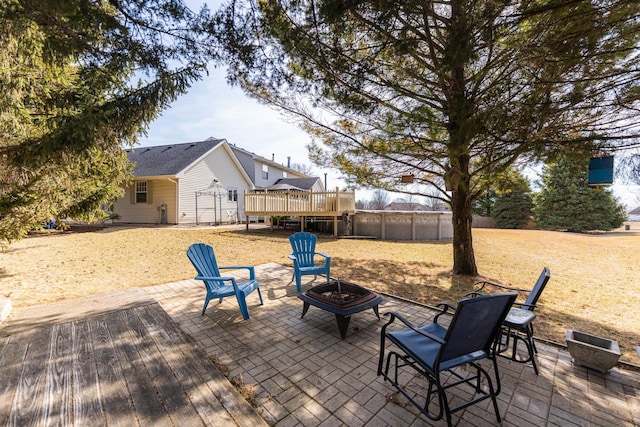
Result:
pixel 301 183
pixel 257 158
pixel 168 159
pixel 635 211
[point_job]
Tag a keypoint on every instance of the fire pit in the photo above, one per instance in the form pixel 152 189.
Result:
pixel 342 299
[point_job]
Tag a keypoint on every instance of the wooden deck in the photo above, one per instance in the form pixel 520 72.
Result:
pixel 124 367
pixel 300 204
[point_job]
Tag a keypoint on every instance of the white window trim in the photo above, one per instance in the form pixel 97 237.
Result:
pixel 145 192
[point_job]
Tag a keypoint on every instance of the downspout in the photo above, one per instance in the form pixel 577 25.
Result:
pixel 177 201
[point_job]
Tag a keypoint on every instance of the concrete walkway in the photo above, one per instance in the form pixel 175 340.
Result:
pixel 303 374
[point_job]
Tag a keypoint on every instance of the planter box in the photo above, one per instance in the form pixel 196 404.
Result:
pixel 591 351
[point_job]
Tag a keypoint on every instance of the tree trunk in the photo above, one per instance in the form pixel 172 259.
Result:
pixel 464 260
pixel 461 130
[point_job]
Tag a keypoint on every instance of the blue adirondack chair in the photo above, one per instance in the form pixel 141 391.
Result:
pixel 204 260
pixel 303 255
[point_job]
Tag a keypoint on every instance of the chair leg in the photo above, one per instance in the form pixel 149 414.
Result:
pixel 298 281
pixel 206 303
pixel 381 357
pixel 242 302
pixel 492 391
pixel 531 348
pixel 260 295
pixel 513 348
pixel 535 349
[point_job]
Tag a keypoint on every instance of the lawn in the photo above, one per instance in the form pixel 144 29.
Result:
pixel 594 286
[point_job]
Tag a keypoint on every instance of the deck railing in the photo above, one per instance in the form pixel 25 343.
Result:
pixel 299 203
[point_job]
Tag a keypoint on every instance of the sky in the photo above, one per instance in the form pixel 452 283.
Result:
pixel 212 108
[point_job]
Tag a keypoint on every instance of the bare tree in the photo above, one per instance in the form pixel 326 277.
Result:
pixel 304 168
pixel 379 200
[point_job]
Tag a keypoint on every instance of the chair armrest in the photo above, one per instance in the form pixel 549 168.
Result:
pixel 292 257
pixel 497 285
pixel 411 326
pixel 327 258
pixel 252 272
pixel 445 307
pixel 472 294
pixel 220 278
pixel 525 306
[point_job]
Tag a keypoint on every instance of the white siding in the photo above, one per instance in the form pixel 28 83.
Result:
pixel 212 200
pixel 260 181
pixel 161 192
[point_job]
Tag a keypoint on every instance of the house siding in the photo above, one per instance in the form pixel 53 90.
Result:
pixel 212 200
pixel 161 192
pixel 247 163
pixel 252 165
pixel 193 181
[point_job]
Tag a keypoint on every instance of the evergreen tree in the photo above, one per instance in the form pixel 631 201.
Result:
pixel 78 80
pixel 485 204
pixel 512 208
pixel 566 202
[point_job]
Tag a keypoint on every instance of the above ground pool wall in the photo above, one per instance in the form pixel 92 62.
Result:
pixel 403 225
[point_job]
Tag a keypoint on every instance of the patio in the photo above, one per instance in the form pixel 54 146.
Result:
pixel 305 374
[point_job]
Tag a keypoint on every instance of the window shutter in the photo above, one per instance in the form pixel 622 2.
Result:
pixel 132 194
pixel 149 193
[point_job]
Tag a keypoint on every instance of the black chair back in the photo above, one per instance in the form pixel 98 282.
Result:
pixel 476 324
pixel 535 293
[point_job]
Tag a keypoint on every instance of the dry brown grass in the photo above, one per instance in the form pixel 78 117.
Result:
pixel 594 286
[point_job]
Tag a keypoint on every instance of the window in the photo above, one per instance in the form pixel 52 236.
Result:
pixel 141 191
pixel 265 172
pixel 285 174
pixel 233 195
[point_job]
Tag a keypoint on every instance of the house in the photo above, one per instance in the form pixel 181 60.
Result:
pixel 195 183
pixel 634 215
pixel 416 207
pixel 297 184
pixel 406 206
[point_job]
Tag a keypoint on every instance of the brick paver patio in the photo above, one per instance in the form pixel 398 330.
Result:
pixel 305 375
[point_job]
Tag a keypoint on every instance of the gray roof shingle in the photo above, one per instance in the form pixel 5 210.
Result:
pixel 168 159
pixel 302 183
pixel 635 211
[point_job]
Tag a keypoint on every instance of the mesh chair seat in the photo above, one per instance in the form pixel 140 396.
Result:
pixel 433 349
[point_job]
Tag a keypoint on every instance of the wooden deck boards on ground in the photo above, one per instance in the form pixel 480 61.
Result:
pixel 123 368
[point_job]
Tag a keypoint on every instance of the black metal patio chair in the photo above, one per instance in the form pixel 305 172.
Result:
pixel 434 350
pixel 518 325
